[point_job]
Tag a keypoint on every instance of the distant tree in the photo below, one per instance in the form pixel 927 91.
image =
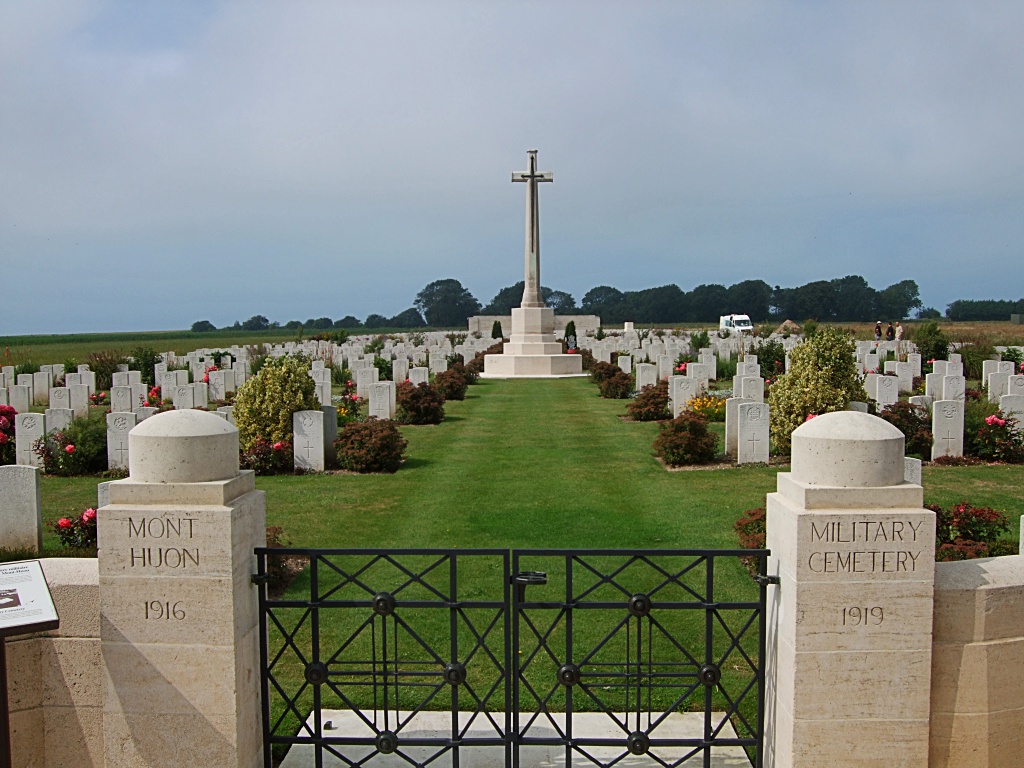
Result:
pixel 256 323
pixel 375 321
pixel 410 318
pixel 610 304
pixel 293 325
pixel 854 299
pixel 446 304
pixel 928 313
pixel 986 309
pixel 563 303
pixel 707 303
pixel 347 322
pixel 896 301
pixel 665 304
pixel 507 299
pixel 750 297
pixel 203 326
pixel 320 324
pixel 496 330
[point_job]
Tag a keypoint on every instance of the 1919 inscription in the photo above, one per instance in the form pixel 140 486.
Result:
pixel 863 616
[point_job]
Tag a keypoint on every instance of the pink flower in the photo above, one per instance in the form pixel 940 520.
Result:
pixel 810 416
pixel 4 423
pixel 89 515
pixel 206 379
pixel 278 446
pixel 348 383
pixel 65 523
pixel 3 438
pixel 931 361
pixel 69 448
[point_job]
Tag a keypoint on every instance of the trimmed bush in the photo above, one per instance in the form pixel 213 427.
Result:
pixel 651 403
pixel 931 341
pixel 965 532
pixel 617 387
pixel 471 377
pixel 451 384
pixel 999 439
pixel 7 449
pixel 420 404
pixel 496 329
pixel 685 440
pixel 266 458
pixel 265 403
pixel 915 424
pixel 80 449
pixel 104 365
pixel 822 378
pixel 600 371
pixel 371 446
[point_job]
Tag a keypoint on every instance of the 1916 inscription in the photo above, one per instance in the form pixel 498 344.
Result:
pixel 166 610
pixel 163 529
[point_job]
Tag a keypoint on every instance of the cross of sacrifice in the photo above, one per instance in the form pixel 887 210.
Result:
pixel 531 291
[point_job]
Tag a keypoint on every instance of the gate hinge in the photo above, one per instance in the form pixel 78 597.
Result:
pixel 766 580
pixel 260 578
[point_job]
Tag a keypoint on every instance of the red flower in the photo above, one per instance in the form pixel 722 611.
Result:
pixel 206 379
pixel 89 515
pixel 4 423
pixel 65 523
pixel 69 448
pixel 278 446
pixel 810 416
pixel 3 438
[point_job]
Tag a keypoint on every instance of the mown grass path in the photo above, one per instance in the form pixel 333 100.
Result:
pixel 537 463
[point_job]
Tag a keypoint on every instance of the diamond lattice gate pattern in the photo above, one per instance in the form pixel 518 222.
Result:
pixel 530 657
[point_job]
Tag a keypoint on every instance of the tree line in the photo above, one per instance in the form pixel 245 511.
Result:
pixel 447 304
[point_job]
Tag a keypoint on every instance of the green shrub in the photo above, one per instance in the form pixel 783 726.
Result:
pixel 27 367
pixel 1014 355
pixel 265 403
pixel 80 449
pixel 914 423
pixel 570 330
pixel 931 341
pixel 7 444
pixel 267 458
pixel 618 386
pixel 451 384
pixel 976 411
pixel 420 404
pixel 686 440
pixel 699 340
pixel 371 446
pixel 145 360
pixel 999 439
pixel 973 355
pixel 965 532
pixel 822 378
pixel 771 356
pixel 725 368
pixel 601 370
pixel 651 403
pixel 104 365
pixel 385 367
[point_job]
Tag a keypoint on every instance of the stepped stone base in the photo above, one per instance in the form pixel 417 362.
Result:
pixel 531 366
pixel 532 351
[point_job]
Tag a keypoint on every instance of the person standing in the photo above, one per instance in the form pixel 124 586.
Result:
pixel 890 332
pixel 899 331
pixel 878 331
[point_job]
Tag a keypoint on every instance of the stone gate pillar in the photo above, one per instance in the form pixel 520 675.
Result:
pixel 179 615
pixel 848 668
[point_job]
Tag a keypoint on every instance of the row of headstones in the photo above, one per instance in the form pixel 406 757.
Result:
pixel 23 391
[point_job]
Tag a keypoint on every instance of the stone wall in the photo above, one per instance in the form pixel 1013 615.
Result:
pixel 585 324
pixel 56 678
pixel 977 698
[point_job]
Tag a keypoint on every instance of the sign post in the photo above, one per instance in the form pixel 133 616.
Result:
pixel 25 607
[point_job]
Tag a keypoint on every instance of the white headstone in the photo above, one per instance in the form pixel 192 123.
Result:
pixel 60 397
pixel 121 399
pixel 947 428
pixel 953 387
pixel 681 390
pixel 911 470
pixel 887 390
pixel 625 363
pixel 915 363
pixel 21 521
pixel 118 427
pixel 1012 406
pixel 20 398
pixel 400 369
pixel 417 376
pixel 998 385
pixel 752 434
pixel 41 387
pixel 646 375
pixel 308 446
pixel 80 400
pixel 732 416
pixel 58 419
pixel 28 427
pixel 381 404
pixel 184 396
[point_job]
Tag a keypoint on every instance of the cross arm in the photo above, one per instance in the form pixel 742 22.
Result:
pixel 527 176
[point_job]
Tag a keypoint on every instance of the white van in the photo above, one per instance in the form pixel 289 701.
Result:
pixel 735 323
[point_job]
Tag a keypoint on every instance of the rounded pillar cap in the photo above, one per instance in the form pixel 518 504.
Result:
pixel 183 446
pixel 848 449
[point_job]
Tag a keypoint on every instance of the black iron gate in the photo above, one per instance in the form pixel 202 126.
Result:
pixel 587 656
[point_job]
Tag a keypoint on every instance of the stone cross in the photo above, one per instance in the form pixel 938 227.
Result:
pixel 531 292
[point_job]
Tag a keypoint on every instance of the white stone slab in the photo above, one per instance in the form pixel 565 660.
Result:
pixel 437 725
pixel 947 428
pixel 752 433
pixel 308 446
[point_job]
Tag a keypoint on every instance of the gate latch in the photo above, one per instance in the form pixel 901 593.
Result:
pixel 766 580
pixel 523 579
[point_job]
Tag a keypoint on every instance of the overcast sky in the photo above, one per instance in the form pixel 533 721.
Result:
pixel 166 162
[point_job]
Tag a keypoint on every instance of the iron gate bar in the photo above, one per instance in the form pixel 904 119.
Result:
pixel 391 669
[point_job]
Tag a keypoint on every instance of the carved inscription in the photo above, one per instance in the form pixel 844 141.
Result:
pixel 866 546
pixel 863 616
pixel 171 536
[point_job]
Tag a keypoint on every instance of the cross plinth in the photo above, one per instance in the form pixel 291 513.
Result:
pixel 531 177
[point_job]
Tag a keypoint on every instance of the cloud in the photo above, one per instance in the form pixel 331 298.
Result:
pixel 314 158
